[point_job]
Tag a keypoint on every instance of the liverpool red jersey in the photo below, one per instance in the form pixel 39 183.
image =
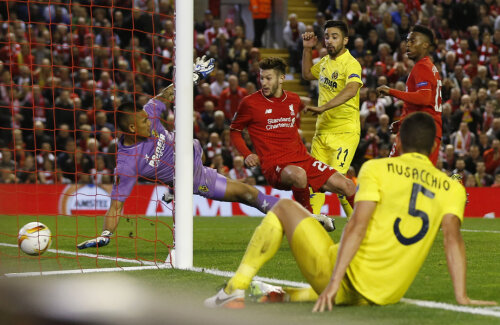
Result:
pixel 272 125
pixel 425 75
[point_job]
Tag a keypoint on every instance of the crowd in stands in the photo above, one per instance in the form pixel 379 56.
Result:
pixel 65 68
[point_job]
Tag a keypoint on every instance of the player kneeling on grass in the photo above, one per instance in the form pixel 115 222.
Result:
pixel 392 194
pixel 146 150
pixel 270 116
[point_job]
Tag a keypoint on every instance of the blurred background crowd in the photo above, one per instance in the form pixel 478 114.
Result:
pixel 64 68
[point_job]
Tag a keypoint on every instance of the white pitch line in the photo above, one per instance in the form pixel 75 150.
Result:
pixel 490 231
pixel 85 271
pixel 494 312
pixel 228 274
pixel 444 306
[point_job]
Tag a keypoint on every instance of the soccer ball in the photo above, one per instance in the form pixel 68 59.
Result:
pixel 34 238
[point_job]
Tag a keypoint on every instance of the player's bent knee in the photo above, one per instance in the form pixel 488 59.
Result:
pixel 295 175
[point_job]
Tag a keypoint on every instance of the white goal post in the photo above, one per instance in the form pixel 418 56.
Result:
pixel 183 185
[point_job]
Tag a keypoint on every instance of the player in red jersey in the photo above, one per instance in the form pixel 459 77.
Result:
pixel 270 115
pixel 423 87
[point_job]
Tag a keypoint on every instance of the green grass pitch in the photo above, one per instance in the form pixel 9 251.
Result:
pixel 219 243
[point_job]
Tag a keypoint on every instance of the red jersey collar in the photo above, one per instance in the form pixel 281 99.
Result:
pixel 276 99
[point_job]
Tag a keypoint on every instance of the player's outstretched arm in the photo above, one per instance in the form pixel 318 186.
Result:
pixel 350 90
pixel 111 220
pixel 251 159
pixel 420 97
pixel 309 41
pixel 455 256
pixel 353 235
pixel 166 95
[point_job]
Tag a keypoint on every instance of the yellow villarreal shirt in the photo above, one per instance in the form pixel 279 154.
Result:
pixel 412 196
pixel 333 76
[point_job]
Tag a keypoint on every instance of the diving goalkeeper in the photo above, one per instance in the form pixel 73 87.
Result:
pixel 146 149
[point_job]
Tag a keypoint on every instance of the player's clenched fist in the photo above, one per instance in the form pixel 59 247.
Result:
pixel 383 91
pixel 252 160
pixel 309 40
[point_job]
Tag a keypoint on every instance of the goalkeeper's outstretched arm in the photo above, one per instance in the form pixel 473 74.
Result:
pixel 201 69
pixel 111 220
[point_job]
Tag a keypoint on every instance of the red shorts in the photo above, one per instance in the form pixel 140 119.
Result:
pixel 317 173
pixel 433 157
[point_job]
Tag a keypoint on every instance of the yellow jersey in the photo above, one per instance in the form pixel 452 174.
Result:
pixel 412 197
pixel 333 76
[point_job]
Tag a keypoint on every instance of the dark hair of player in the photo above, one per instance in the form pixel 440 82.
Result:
pixel 277 64
pixel 338 24
pixel 424 31
pixel 417 133
pixel 123 114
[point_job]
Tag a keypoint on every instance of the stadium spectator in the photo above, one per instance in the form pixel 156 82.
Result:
pixel 318 25
pixel 48 174
pixel 230 97
pixel 460 168
pixel 462 139
pixel 482 178
pixel 292 36
pixel 384 25
pixel 219 84
pixel 472 158
pixel 28 174
pixel 261 11
pixel 237 53
pixel 466 113
pixel 207 22
pixel 496 182
pixel 101 122
pixel 99 171
pixel 207 116
pixel 200 99
pixel 212 148
pixel 218 164
pixel 387 6
pixel 494 131
pixel 383 131
pixel 219 124
pixel 492 157
pixel 373 108
pixel 450 157
pixel 240 173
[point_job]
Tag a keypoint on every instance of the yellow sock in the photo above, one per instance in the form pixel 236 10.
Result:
pixel 265 242
pixel 345 205
pixel 317 201
pixel 301 294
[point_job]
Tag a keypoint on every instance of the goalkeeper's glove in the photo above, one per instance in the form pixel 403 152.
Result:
pixel 202 68
pixel 100 241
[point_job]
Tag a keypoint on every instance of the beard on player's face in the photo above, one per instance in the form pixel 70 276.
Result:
pixel 334 51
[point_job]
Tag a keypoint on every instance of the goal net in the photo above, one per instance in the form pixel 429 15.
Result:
pixel 65 67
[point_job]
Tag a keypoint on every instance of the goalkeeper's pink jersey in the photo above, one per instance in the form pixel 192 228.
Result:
pixel 153 159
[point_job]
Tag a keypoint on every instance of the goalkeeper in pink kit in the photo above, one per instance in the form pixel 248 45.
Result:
pixel 146 150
